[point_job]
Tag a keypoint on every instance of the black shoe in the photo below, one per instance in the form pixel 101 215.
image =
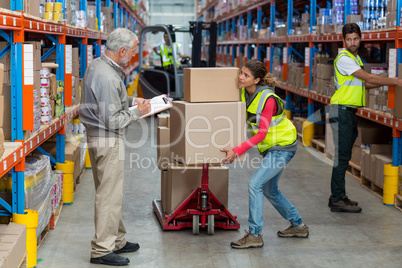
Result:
pixel 129 247
pixel 354 203
pixel 345 205
pixel 111 259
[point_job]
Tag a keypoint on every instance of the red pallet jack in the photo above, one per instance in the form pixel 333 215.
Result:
pixel 200 204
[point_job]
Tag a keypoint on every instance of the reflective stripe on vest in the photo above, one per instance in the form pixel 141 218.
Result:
pixel 349 89
pixel 281 131
pixel 166 59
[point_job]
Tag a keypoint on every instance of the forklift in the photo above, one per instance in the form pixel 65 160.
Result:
pixel 155 80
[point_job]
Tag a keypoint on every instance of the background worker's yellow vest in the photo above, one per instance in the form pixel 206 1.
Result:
pixel 281 131
pixel 349 89
pixel 167 55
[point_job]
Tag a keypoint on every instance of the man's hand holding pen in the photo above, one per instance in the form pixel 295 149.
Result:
pixel 144 106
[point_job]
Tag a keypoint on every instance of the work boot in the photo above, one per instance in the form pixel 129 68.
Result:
pixel 111 259
pixel 354 203
pixel 345 205
pixel 294 231
pixel 128 247
pixel 248 241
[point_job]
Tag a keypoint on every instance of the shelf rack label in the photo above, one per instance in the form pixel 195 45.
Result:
pixel 69 59
pixel 28 64
pixel 285 55
pixel 307 56
pixel 392 63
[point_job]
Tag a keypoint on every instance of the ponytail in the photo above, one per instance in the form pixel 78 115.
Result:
pixel 268 80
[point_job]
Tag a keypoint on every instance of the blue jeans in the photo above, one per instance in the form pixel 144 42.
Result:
pixel 264 182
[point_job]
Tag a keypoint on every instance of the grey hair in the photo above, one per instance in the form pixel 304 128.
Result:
pixel 119 38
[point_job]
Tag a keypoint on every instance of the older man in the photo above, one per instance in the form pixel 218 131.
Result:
pixel 105 114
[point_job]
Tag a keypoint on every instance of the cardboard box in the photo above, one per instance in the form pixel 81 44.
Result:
pixel 381 149
pixel 53 86
pixel 199 130
pixel 356 155
pixel 367 66
pixel 373 100
pixel 398 95
pixel 211 84
pixel 12 244
pixel 353 18
pixel 373 134
pixel 326 71
pixel 77 93
pixel 1 111
pixel 381 160
pixel 163 120
pixel 163 189
pixel 163 147
pixel 183 180
pixel 365 163
pixel 91 17
pixel 5 4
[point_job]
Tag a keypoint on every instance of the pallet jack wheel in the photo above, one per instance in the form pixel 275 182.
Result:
pixel 196 224
pixel 211 224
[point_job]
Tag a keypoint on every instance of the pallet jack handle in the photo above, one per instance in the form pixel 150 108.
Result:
pixel 205 178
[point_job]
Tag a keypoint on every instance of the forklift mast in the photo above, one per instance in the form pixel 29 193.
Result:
pixel 196 29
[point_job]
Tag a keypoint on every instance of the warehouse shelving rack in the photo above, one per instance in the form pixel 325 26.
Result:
pixel 228 53
pixel 14 27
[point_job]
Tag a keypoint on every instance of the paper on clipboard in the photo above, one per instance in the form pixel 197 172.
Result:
pixel 158 104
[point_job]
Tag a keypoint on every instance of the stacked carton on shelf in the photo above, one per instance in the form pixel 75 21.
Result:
pixel 323 73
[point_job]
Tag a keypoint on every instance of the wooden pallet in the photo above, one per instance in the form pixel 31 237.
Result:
pixel 329 156
pixel 354 170
pixel 371 187
pixel 23 263
pixel 300 138
pixel 318 145
pixel 55 216
pixel 43 235
pixel 398 202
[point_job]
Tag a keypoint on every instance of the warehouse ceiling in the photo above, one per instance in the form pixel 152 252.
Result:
pixel 171 11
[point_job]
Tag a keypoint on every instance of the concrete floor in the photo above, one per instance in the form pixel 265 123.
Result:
pixel 372 238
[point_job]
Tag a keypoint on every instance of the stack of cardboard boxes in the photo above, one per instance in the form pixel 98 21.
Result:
pixel 391 14
pixel 304 24
pixel 323 75
pixel 371 151
pixel 210 118
pixel 76 76
pixel 296 74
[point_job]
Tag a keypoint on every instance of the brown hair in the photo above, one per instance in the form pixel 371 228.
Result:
pixel 259 70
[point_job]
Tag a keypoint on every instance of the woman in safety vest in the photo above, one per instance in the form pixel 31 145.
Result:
pixel 275 137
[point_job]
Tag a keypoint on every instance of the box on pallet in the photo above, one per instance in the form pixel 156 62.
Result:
pixel 182 180
pixel 211 84
pixel 199 130
pixel 12 244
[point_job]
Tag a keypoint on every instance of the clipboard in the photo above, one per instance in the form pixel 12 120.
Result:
pixel 158 104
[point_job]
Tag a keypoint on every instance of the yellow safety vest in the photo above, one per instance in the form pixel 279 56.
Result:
pixel 349 89
pixel 167 55
pixel 281 131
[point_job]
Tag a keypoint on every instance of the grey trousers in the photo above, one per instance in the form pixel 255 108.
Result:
pixel 107 160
